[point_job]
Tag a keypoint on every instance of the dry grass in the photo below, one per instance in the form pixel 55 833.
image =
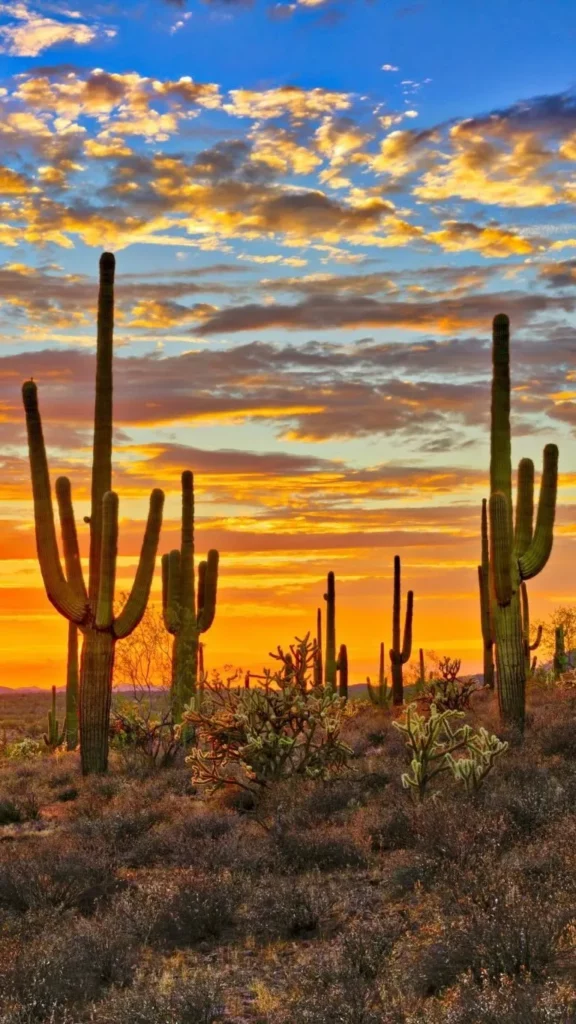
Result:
pixel 132 899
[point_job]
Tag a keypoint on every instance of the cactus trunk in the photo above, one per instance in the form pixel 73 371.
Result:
pixel 343 671
pixel 95 699
pixel 72 688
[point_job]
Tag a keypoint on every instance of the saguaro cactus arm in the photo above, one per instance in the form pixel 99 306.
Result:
pixel 135 606
pixel 72 562
pixel 207 590
pixel 407 639
pixel 500 548
pixel 524 507
pixel 535 557
pixel 60 592
pixel 171 590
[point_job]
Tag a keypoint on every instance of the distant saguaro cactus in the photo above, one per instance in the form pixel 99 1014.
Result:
pixel 92 609
pixel 517 550
pixel 343 671
pixel 400 655
pixel 380 694
pixel 486 616
pixel 560 657
pixel 318 680
pixel 54 738
pixel 187 614
pixel 330 662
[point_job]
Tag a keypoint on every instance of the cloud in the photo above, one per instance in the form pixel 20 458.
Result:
pixel 29 33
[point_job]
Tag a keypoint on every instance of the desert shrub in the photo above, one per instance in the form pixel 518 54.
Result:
pixel 516 1002
pixel 25 750
pixel 59 878
pixel 118 831
pixel 449 692
pixel 393 830
pixel 323 851
pixel 183 910
pixel 341 984
pixel 559 738
pixel 149 734
pixel 10 812
pixel 532 799
pixel 287 727
pixel 63 969
pixel 194 998
pixel 285 909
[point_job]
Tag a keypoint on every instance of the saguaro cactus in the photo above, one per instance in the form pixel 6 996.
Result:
pixel 421 668
pixel 560 658
pixel 330 659
pixel 186 614
pixel 72 688
pixel 91 609
pixel 485 602
pixel 528 647
pixel 343 671
pixel 318 650
pixel 379 695
pixel 518 551
pixel 400 655
pixel 54 738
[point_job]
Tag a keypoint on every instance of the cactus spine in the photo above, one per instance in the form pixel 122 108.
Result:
pixel 187 614
pixel 400 655
pixel 343 671
pixel 330 664
pixel 54 738
pixel 485 602
pixel 528 647
pixel 518 551
pixel 560 659
pixel 72 688
pixel 91 609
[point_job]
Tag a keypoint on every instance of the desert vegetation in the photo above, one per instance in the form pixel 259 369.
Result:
pixel 278 845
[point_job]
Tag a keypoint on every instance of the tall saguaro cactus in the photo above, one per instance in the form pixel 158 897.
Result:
pixel 318 650
pixel 518 550
pixel 187 614
pixel 343 671
pixel 485 602
pixel 400 655
pixel 91 609
pixel 330 661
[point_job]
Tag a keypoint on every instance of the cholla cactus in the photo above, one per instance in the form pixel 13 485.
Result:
pixel 518 551
pixel 54 738
pixel 483 750
pixel 380 695
pixel 429 740
pixel 91 608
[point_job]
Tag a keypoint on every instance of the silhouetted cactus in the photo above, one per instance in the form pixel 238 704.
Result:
pixel 560 657
pixel 54 738
pixel 421 668
pixel 380 694
pixel 330 668
pixel 342 665
pixel 485 603
pixel 400 655
pixel 318 650
pixel 187 614
pixel 92 609
pixel 517 550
